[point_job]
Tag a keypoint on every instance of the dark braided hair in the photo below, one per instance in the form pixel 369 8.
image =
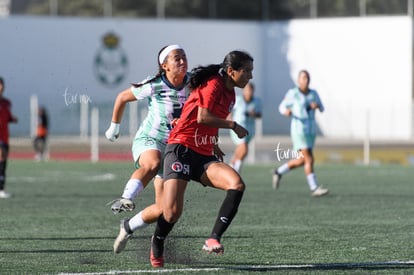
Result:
pixel 234 59
pixel 160 71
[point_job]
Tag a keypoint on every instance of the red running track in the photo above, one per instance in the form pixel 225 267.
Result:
pixel 72 156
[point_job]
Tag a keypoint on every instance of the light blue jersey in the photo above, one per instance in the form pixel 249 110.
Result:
pixel 164 104
pixel 303 125
pixel 240 109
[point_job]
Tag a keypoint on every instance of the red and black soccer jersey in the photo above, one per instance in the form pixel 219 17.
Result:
pixel 213 96
pixel 5 118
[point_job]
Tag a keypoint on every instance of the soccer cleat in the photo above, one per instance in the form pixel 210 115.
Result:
pixel 122 239
pixel 319 192
pixel 121 205
pixel 156 253
pixel 213 246
pixel 4 195
pixel 276 177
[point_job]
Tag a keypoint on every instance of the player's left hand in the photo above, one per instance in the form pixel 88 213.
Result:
pixel 240 130
pixel 313 105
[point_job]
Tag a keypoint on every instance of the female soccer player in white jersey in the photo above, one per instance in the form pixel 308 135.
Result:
pixel 165 93
pixel 247 109
pixel 300 103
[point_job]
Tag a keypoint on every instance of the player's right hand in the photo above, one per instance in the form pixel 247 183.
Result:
pixel 113 131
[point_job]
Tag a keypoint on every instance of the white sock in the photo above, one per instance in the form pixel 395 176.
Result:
pixel 312 181
pixel 237 165
pixel 136 222
pixel 283 169
pixel 132 189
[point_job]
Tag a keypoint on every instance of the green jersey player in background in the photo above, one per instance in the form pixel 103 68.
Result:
pixel 300 104
pixel 245 112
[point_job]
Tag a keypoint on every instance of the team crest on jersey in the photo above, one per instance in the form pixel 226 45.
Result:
pixel 177 167
pixel 149 142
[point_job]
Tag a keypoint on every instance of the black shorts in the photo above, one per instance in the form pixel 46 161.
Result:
pixel 5 149
pixel 180 162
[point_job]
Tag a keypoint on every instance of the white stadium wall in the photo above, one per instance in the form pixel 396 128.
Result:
pixel 362 69
pixel 55 58
pixel 358 65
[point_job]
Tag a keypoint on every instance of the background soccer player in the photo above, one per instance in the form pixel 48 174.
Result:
pixel 6 117
pixel 300 104
pixel 40 140
pixel 247 109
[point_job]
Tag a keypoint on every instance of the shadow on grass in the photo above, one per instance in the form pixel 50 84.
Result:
pixel 321 267
pixel 176 257
pixel 106 238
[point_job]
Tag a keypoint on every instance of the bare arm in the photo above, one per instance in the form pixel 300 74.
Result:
pixel 205 117
pixel 121 100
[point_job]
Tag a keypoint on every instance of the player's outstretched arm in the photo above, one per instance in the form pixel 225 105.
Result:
pixel 121 100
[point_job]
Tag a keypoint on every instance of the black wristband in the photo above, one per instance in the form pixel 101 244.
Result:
pixel 234 125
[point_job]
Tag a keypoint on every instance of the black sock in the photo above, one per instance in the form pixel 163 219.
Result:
pixel 227 212
pixel 2 174
pixel 162 230
pixel 127 227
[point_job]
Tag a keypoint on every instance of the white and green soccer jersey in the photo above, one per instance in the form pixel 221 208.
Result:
pixel 164 104
pixel 240 109
pixel 303 126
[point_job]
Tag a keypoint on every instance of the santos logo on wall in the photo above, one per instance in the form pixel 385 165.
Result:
pixel 111 62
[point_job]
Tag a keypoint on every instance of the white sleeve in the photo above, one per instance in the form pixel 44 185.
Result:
pixel 143 91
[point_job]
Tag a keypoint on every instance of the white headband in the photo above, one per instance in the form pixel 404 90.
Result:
pixel 166 51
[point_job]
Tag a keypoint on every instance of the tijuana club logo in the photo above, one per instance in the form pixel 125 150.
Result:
pixel 177 167
pixel 111 62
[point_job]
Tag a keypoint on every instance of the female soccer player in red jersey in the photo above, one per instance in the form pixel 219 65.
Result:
pixel 6 117
pixel 192 151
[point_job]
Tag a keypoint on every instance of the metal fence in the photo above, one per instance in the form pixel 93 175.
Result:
pixel 210 9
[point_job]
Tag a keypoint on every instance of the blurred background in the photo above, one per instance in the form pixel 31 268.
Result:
pixel 73 57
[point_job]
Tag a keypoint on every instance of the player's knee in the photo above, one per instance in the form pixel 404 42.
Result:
pixel 300 162
pixel 171 215
pixel 236 184
pixel 153 167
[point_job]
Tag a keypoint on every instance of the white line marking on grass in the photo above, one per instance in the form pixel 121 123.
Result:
pixel 331 266
pixel 103 177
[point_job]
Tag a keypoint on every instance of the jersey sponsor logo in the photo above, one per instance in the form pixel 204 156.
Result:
pixel 177 167
pixel 170 94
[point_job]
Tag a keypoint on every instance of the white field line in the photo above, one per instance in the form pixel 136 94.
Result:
pixel 258 268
